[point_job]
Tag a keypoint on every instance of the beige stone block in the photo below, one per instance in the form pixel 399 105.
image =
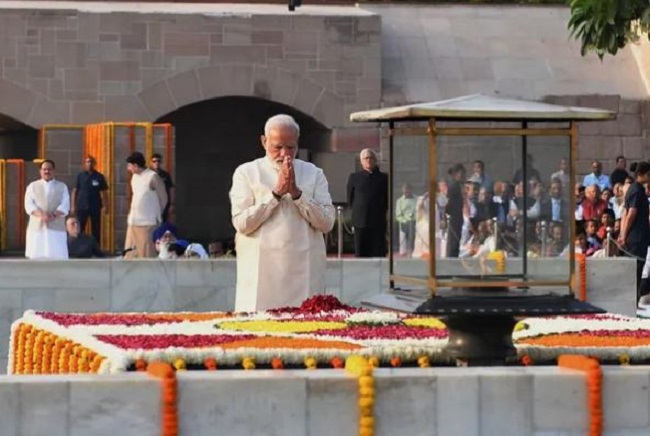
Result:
pixel 86 79
pixel 49 112
pixel 157 99
pixel 10 410
pixel 331 394
pixel 70 54
pixel 41 66
pixel 185 88
pixel 211 81
pixel 186 44
pixel 87 112
pixel 267 37
pixel 329 111
pixel 44 404
pixel 154 35
pixel 308 95
pixel 238 78
pixel 237 33
pixel 16 101
pixel 124 108
pixel 248 54
pixel 135 38
pixel 635 148
pixel 119 70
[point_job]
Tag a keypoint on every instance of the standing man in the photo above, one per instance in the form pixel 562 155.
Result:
pixel 368 197
pixel 479 176
pixel 89 199
pixel 170 189
pixel 148 201
pixel 635 228
pixel 47 202
pixel 456 204
pixel 597 177
pixel 281 208
pixel 620 172
pixel 405 217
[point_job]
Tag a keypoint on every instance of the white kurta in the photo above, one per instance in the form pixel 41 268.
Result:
pixel 41 242
pixel 280 244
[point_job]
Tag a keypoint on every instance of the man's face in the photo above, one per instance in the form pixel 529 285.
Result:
pixel 564 165
pixel 132 168
pixel 72 227
pixel 621 163
pixel 477 168
pixel 368 161
pixel 280 143
pixel 47 171
pixel 606 195
pixel 556 233
pixel 597 168
pixel 89 164
pixel 590 192
pixel 156 162
pixel 590 228
pixel 406 191
pixel 556 190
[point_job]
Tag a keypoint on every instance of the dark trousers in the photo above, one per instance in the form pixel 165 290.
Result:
pixel 453 240
pixel 95 222
pixel 165 214
pixel 370 242
pixel 639 250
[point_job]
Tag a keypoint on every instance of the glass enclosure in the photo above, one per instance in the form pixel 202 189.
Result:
pixel 481 205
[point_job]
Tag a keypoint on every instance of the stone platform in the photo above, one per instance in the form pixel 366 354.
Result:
pixel 539 401
pixel 199 286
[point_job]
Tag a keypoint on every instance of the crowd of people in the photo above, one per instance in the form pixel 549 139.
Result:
pixel 281 208
pixel 57 218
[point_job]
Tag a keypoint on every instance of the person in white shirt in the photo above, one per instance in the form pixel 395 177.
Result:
pixel 47 202
pixel 405 218
pixel 562 174
pixel 281 208
pixel 147 203
pixel 597 177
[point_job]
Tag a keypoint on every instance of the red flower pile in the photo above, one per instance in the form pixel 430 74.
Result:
pixel 316 304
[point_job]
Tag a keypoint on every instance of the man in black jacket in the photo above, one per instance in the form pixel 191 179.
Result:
pixel 80 246
pixel 368 197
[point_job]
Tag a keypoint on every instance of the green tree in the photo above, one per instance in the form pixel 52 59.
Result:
pixel 605 26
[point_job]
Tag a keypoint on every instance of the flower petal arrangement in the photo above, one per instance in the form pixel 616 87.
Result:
pixel 321 333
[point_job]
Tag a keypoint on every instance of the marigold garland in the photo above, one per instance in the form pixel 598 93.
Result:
pixel 360 367
pixel 210 364
pixel 167 376
pixel 594 374
pixel 276 363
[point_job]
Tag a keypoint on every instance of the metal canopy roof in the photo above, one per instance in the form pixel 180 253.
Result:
pixel 483 107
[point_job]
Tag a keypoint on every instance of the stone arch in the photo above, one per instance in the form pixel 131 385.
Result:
pixel 18 102
pixel 269 83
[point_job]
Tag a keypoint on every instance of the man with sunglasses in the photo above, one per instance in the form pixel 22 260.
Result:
pixel 156 165
pixel 89 199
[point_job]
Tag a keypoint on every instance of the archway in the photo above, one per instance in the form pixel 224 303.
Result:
pixel 17 140
pixel 212 138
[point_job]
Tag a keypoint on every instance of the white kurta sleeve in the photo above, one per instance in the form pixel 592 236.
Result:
pixel 64 207
pixel 247 215
pixel 30 201
pixel 317 210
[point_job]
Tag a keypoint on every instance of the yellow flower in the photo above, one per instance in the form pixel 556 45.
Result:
pixel 433 323
pixel 310 363
pixel 180 364
pixel 521 326
pixel 248 363
pixel 281 326
pixel 367 421
pixel 366 382
pixel 367 392
pixel 358 365
pixel 365 402
pixel 373 361
pixel 423 362
pixel 624 359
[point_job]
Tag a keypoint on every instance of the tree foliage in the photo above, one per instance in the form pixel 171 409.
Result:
pixel 605 26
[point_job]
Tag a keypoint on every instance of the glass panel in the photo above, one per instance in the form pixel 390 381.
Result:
pixel 483 207
pixel 550 222
pixel 410 184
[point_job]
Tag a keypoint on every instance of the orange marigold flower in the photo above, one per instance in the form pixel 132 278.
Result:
pixel 395 361
pixel 248 363
pixel 526 360
pixel 423 362
pixel 210 363
pixel 140 365
pixel 374 361
pixel 276 363
pixel 337 362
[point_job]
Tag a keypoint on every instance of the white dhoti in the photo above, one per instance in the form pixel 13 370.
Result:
pixel 47 240
pixel 46 244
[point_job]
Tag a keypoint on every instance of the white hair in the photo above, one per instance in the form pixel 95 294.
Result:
pixel 281 120
pixel 368 150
